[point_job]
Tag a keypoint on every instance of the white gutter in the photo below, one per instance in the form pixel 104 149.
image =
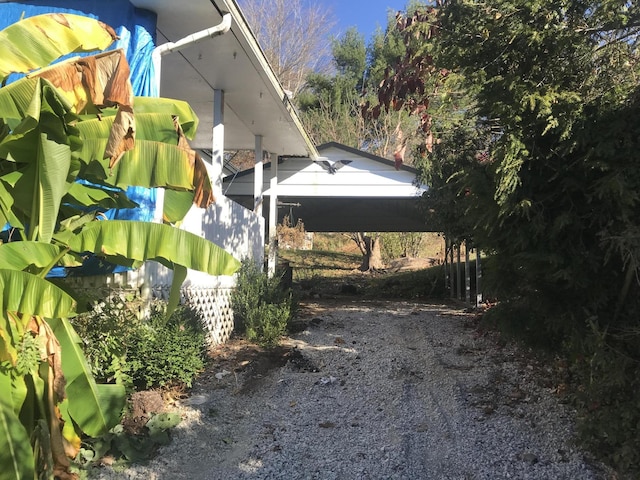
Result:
pixel 156 57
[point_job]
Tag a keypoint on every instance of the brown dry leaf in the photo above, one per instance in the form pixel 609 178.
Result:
pixel 54 357
pixel 122 136
pixel 55 381
pixel 202 196
pixel 96 82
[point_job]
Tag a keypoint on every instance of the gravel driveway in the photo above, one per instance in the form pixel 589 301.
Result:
pixel 376 390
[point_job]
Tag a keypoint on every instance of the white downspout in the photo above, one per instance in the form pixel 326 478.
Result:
pixel 221 28
pixel 156 57
pixel 151 272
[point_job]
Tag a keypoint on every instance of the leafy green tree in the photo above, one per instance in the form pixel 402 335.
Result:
pixel 64 131
pixel 564 210
pixel 519 98
pixel 329 103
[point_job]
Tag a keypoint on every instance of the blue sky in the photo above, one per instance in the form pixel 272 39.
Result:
pixel 366 15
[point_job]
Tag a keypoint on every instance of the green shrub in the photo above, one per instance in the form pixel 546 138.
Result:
pixel 607 370
pixel 267 324
pixel 262 307
pixel 106 331
pixel 142 354
pixel 167 352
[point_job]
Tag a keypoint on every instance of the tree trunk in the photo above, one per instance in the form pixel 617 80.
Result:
pixel 370 249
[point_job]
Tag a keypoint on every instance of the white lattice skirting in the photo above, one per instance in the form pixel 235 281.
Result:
pixel 213 304
pixel 212 300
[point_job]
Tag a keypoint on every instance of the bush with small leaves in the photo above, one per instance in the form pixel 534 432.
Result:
pixel 141 354
pixel 106 331
pixel 262 307
pixel 167 352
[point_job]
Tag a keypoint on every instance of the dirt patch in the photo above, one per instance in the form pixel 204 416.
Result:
pixel 409 263
pixel 144 405
pixel 237 356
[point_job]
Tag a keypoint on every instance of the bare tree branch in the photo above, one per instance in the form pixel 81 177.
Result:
pixel 294 35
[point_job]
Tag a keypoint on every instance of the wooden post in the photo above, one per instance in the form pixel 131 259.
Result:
pixel 446 264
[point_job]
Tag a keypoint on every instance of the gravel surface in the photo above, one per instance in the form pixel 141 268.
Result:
pixel 376 390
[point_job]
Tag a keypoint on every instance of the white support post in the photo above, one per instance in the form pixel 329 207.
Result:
pixel 217 144
pixel 478 279
pixel 458 273
pixel 258 177
pixel 467 273
pixel 452 276
pixel 156 59
pixel 273 219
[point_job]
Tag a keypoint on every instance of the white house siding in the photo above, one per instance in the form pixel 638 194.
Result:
pixel 361 178
pixel 237 230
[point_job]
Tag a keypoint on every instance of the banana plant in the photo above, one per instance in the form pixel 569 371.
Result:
pixel 72 138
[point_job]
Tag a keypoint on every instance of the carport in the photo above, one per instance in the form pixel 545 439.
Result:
pixel 344 190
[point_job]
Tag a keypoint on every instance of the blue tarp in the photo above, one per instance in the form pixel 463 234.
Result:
pixel 136 29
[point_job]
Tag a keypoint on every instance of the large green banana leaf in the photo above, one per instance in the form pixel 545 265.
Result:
pixel 31 295
pixel 83 195
pixel 16 456
pixel 23 254
pixel 94 407
pixel 53 161
pixel 177 108
pixel 41 147
pixel 119 240
pixel 155 159
pixel 37 41
pixel 18 104
pixel 161 157
pixel 24 106
pixel 40 185
pixel 176 205
pixel 7 202
pixel 180 109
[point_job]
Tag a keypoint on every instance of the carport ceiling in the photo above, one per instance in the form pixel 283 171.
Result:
pixel 255 103
pixel 349 214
